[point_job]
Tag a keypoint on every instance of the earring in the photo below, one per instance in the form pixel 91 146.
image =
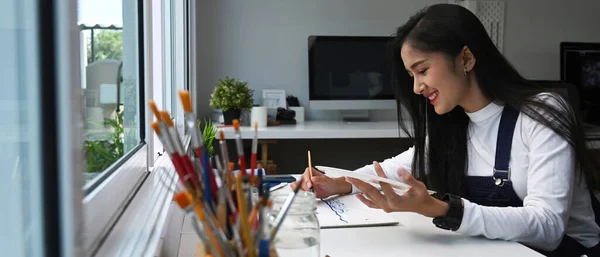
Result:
pixel 465 70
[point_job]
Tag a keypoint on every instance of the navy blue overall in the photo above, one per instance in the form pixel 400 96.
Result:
pixel 498 189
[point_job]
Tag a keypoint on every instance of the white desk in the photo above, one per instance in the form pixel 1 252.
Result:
pixel 316 130
pixel 340 130
pixel 322 130
pixel 414 236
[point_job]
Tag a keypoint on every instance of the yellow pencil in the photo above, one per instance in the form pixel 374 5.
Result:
pixel 310 171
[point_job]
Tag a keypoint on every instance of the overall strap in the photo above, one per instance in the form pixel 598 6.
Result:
pixel 504 144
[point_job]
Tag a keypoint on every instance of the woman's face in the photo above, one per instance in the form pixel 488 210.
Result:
pixel 441 80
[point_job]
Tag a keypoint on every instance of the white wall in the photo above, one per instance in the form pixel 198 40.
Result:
pixel 535 28
pixel 264 41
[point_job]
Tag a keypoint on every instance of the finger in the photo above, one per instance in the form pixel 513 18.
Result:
pixel 306 185
pixel 412 181
pixel 306 173
pixel 307 180
pixel 370 191
pixel 315 172
pixel 401 172
pixel 296 184
pixel 387 189
pixel 321 180
pixel 379 170
pixel 367 202
pixel 319 193
pixel 301 182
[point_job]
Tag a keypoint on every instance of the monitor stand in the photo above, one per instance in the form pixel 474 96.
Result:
pixel 355 116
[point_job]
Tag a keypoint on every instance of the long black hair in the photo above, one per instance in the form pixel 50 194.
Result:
pixel 447 29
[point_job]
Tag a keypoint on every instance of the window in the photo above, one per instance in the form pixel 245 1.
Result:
pixel 167 43
pixel 110 84
pixel 112 90
pixel 171 60
pixel 21 218
pixel 175 57
pixel 152 65
pixel 74 116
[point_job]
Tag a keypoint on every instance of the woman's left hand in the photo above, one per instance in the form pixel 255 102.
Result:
pixel 416 199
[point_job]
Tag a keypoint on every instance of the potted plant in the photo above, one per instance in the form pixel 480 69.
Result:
pixel 231 96
pixel 209 133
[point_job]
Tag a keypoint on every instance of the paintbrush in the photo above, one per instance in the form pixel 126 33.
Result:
pixel 177 160
pixel 171 132
pixel 243 216
pixel 240 147
pixel 284 209
pixel 247 190
pixel 253 156
pixel 224 151
pixel 199 147
pixel 263 224
pixel 184 200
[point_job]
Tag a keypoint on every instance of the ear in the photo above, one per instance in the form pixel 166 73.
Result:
pixel 468 59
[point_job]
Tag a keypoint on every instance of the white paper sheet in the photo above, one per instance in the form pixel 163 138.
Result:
pixel 348 211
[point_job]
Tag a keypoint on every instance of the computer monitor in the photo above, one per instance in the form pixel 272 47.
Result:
pixel 580 66
pixel 349 73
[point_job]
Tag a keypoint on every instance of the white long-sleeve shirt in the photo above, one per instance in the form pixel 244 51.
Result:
pixel 542 173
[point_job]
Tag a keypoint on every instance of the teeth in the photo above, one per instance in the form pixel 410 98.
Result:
pixel 432 96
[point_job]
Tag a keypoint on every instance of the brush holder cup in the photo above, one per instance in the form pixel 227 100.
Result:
pixel 299 234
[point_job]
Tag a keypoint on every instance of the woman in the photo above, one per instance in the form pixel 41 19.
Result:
pixel 509 160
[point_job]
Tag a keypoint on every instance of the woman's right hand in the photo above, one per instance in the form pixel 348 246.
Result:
pixel 322 185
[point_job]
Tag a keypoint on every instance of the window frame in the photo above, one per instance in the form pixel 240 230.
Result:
pixel 90 218
pixel 108 196
pixel 62 175
pixel 175 72
pixel 90 186
pixel 142 222
pixel 23 130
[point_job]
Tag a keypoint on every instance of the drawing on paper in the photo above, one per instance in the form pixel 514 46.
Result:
pixel 337 207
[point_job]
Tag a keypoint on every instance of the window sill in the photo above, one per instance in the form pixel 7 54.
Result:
pixel 138 231
pixel 105 203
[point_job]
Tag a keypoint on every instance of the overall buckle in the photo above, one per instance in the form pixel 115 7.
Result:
pixel 501 176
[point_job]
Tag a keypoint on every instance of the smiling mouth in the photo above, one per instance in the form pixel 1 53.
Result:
pixel 433 96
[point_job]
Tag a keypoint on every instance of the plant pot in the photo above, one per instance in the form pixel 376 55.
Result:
pixel 230 115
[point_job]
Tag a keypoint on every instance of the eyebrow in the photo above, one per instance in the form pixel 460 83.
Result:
pixel 417 63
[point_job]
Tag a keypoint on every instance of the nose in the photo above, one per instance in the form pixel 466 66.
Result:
pixel 418 87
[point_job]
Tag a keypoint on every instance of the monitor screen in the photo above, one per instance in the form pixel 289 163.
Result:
pixel 349 68
pixel 580 66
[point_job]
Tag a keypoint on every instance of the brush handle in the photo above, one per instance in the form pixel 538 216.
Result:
pixel 206 176
pixel 264 248
pixel 243 217
pixel 208 241
pixel 208 231
pixel 222 216
pixel 208 166
pixel 224 153
pixel 252 168
pixel 284 209
pixel 281 215
pixel 179 169
pixel 242 163
pixel 187 174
